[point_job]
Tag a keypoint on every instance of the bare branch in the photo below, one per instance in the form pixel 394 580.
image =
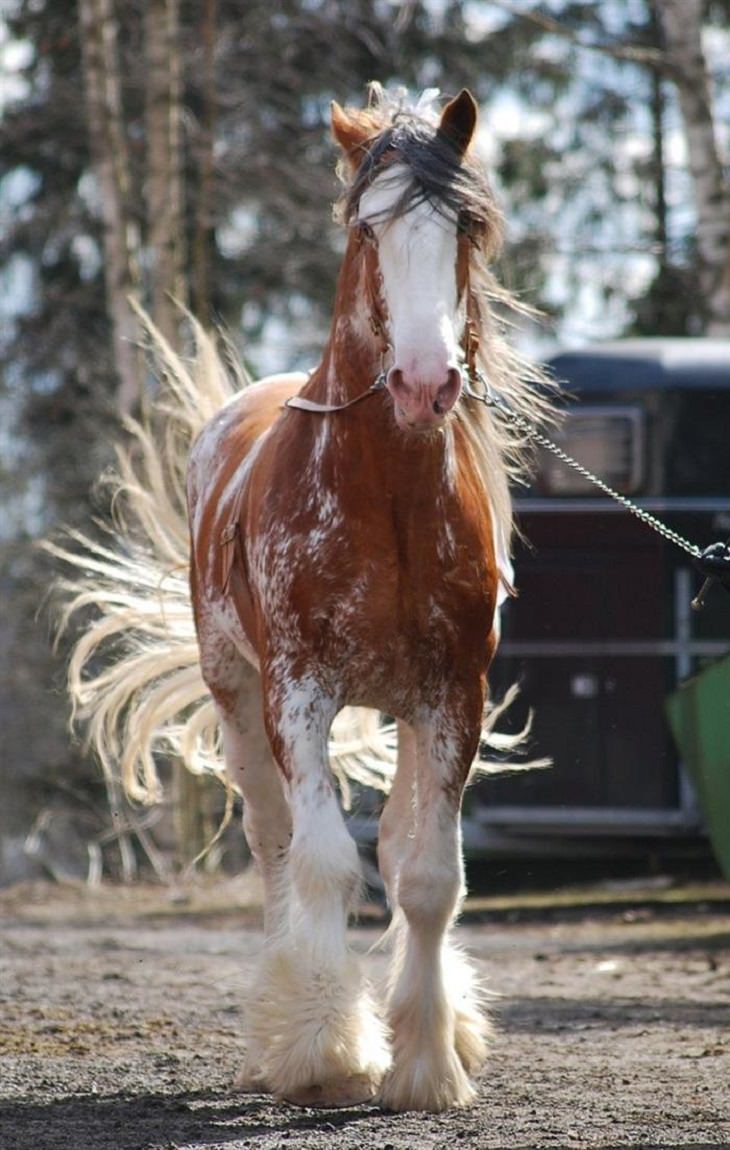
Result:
pixel 633 53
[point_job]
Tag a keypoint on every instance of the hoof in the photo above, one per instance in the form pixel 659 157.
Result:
pixel 352 1091
pixel 250 1082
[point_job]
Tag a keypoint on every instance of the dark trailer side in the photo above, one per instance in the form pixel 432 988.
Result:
pixel 603 628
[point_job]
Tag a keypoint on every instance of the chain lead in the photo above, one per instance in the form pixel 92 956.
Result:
pixel 489 399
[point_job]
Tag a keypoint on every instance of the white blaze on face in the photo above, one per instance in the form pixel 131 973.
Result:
pixel 417 253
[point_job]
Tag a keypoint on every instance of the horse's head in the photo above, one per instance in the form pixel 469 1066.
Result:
pixel 419 202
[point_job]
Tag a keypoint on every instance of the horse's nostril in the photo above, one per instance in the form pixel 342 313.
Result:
pixel 448 393
pixel 454 380
pixel 395 380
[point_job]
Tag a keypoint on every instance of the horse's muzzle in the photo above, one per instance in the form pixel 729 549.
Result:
pixel 421 406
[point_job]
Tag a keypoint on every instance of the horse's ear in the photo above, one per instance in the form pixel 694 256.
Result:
pixel 458 121
pixel 349 132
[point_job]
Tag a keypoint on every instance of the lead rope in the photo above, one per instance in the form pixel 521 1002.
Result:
pixel 713 562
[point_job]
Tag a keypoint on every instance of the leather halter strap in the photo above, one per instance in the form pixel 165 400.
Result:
pixel 304 404
pixel 230 542
pixel 472 321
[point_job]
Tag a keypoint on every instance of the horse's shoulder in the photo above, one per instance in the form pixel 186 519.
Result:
pixel 246 415
pixel 261 401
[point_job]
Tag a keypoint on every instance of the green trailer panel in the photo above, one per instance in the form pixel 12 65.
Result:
pixel 699 715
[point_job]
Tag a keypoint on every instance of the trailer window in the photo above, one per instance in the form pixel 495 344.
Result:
pixel 608 440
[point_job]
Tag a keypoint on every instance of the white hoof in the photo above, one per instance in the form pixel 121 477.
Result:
pixel 337 1092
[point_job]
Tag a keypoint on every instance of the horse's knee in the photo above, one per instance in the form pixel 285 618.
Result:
pixel 324 862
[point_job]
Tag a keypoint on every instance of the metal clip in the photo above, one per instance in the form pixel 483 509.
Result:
pixel 488 396
pixel 714 564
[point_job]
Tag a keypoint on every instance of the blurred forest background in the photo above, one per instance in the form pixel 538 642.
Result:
pixel 180 148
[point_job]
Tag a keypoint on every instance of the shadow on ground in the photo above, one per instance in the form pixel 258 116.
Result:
pixel 219 1122
pixel 552 1015
pixel 160 1121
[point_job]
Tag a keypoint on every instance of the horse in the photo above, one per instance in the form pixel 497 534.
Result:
pixel 349 543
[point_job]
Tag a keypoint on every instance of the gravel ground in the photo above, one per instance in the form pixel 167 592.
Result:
pixel 120 1027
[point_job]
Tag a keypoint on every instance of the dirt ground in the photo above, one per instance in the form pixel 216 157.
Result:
pixel 120 1025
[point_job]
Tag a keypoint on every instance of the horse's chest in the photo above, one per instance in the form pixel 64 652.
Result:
pixel 382 613
pixel 396 646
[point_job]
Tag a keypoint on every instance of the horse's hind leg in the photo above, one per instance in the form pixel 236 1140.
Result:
pixel 326 1046
pixel 236 690
pixel 397 820
pixel 438 1031
pixel 266 815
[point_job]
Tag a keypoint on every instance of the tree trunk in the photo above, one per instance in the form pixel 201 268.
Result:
pixel 202 243
pixel 659 164
pixel 681 22
pixel 163 184
pixel 167 288
pixel 111 166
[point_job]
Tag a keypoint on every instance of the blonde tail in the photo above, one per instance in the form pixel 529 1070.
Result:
pixel 134 677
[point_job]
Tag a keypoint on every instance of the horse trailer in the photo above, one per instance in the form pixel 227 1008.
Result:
pixel 603 628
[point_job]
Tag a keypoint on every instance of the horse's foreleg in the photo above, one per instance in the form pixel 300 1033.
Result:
pixel 438 1031
pixel 325 1044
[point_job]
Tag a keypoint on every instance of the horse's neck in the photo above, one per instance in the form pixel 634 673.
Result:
pixel 350 365
pixel 353 356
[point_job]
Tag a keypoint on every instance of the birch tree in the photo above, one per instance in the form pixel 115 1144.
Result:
pixel 163 180
pixel 681 22
pixel 110 158
pixel 204 208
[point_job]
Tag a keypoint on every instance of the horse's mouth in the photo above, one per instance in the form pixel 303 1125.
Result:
pixel 420 426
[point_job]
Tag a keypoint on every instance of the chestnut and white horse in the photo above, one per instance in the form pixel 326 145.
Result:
pixel 350 537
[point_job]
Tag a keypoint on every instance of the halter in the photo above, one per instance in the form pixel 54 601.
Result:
pixel 713 562
pixel 367 241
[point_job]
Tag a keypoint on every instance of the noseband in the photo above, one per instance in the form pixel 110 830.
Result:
pixel 367 242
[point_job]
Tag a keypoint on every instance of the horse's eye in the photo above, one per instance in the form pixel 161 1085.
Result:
pixel 366 230
pixel 470 227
